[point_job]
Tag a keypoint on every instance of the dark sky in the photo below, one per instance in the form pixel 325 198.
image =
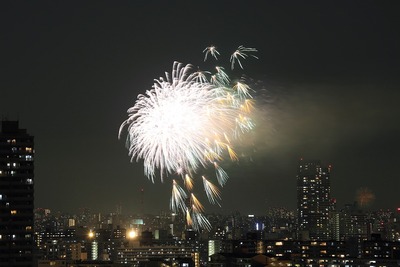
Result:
pixel 327 85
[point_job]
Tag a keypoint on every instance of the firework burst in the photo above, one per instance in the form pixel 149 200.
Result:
pixel 364 196
pixel 185 124
pixel 242 53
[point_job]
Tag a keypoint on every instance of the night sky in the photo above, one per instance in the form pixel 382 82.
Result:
pixel 327 85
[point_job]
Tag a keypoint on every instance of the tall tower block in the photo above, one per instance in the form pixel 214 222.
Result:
pixel 313 200
pixel 16 195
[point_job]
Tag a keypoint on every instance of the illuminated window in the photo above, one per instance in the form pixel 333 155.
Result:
pixel 13 212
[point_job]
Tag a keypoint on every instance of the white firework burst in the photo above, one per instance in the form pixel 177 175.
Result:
pixel 186 123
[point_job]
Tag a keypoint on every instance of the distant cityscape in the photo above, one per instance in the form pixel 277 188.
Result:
pixel 318 233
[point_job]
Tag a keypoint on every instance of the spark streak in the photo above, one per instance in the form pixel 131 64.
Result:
pixel 240 53
pixel 212 50
pixel 212 191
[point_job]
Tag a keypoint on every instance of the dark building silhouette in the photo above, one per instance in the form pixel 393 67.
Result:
pixel 313 200
pixel 16 195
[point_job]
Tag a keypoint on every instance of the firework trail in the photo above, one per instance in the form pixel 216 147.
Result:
pixel 241 52
pixel 186 123
pixel 212 191
pixel 178 197
pixel 212 50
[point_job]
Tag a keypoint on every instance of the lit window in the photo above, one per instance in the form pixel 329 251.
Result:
pixel 13 212
pixel 29 181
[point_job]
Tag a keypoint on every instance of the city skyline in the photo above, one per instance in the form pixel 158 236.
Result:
pixel 326 83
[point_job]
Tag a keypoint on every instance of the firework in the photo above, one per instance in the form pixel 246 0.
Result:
pixel 187 122
pixel 196 203
pixel 364 196
pixel 212 50
pixel 241 52
pixel 188 182
pixel 221 174
pixel 178 197
pixel 212 191
pixel 198 220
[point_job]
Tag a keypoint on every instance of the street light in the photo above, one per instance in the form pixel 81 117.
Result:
pixel 91 234
pixel 132 234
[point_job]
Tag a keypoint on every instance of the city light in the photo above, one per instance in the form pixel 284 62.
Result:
pixel 91 234
pixel 132 234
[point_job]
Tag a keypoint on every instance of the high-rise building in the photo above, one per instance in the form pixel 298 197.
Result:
pixel 313 200
pixel 16 195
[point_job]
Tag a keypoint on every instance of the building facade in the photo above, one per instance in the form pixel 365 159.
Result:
pixel 16 195
pixel 313 200
pixel 171 255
